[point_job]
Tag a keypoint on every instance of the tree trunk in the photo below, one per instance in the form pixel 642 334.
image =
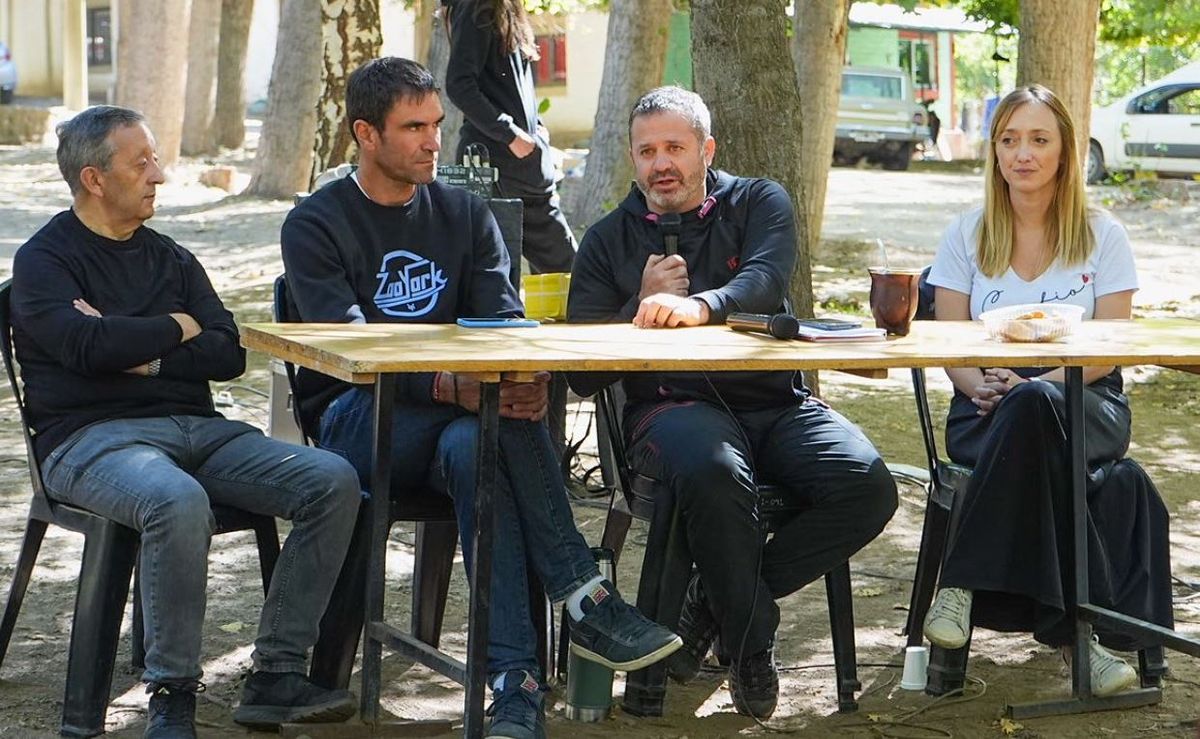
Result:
pixel 423 29
pixel 634 56
pixel 350 36
pixel 201 92
pixel 818 48
pixel 229 123
pixel 152 64
pixel 1057 49
pixel 439 57
pixel 284 160
pixel 743 70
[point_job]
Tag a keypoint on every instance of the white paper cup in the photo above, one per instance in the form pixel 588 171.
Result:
pixel 916 662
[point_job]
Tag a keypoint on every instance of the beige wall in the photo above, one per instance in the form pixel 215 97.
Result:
pixel 572 110
pixel 33 31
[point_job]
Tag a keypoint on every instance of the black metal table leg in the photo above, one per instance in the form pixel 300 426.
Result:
pixel 1082 700
pixel 481 573
pixel 1079 593
pixel 377 513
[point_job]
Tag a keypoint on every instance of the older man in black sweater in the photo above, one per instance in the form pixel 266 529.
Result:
pixel 118 332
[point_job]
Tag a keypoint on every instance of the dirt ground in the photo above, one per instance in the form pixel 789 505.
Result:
pixel 237 239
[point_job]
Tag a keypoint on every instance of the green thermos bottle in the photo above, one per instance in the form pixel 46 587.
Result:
pixel 589 684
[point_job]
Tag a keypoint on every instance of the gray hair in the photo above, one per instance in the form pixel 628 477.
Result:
pixel 83 140
pixel 672 99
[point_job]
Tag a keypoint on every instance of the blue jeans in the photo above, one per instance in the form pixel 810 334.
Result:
pixel 434 446
pixel 159 476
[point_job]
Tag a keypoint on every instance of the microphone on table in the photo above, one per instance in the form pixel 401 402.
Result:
pixel 669 224
pixel 780 325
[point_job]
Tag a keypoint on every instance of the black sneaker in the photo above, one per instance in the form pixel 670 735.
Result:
pixel 617 635
pixel 273 698
pixel 172 713
pixel 698 629
pixel 754 683
pixel 516 711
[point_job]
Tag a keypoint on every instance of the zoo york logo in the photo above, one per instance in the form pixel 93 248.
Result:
pixel 409 284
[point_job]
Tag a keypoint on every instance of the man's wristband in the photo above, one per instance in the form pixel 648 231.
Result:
pixel 153 367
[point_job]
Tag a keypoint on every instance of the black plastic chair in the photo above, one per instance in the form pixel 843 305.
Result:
pixel 667 565
pixel 947 482
pixel 109 557
pixel 436 541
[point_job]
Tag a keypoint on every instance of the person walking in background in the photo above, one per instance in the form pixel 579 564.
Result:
pixel 490 78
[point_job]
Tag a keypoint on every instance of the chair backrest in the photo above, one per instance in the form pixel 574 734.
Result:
pixel 10 366
pixel 283 310
pixel 943 476
pixel 925 296
pixel 608 425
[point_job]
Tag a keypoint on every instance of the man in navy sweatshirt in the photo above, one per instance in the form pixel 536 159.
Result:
pixel 389 243
pixel 118 332
pixel 713 437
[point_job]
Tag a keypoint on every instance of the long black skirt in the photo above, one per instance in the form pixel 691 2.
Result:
pixel 1012 546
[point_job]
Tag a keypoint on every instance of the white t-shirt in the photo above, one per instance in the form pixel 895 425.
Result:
pixel 1109 269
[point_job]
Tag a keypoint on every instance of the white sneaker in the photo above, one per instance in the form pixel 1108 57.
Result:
pixel 1110 673
pixel 948 623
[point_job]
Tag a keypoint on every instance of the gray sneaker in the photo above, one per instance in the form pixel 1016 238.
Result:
pixel 1110 673
pixel 617 635
pixel 948 623
pixel 516 711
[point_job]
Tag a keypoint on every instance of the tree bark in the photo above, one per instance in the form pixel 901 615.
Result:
pixel 229 122
pixel 284 160
pixel 744 71
pixel 152 66
pixel 201 91
pixel 634 57
pixel 439 57
pixel 818 48
pixel 350 36
pixel 423 29
pixel 1057 48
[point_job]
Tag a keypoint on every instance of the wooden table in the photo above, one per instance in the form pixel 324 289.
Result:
pixel 374 353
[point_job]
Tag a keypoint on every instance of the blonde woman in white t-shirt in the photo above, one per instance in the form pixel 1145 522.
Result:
pixel 1035 240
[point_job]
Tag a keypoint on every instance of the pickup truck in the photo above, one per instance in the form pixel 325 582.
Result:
pixel 878 118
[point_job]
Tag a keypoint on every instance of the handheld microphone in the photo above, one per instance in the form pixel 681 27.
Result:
pixel 780 325
pixel 669 224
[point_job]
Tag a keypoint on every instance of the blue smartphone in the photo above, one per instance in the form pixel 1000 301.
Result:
pixel 497 323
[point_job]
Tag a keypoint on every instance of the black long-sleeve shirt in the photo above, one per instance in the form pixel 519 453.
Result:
pixel 494 89
pixel 740 249
pixel 73 364
pixel 434 259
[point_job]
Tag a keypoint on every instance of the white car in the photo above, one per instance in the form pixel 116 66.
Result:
pixel 1156 128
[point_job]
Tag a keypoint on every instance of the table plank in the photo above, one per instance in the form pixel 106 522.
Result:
pixel 356 353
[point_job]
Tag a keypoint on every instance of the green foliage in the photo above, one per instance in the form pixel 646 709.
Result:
pixel 975 73
pixel 562 7
pixel 1120 68
pixel 1130 22
pixel 1153 22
